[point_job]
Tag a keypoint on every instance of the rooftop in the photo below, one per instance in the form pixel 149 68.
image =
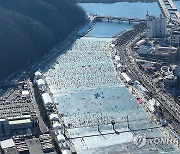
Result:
pixel 11 150
pixel 25 92
pixel 16 122
pixel 7 143
pixel 46 98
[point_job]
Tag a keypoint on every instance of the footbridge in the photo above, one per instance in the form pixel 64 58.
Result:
pixel 118 19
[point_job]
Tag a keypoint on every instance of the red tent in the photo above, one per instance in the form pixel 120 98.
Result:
pixel 139 101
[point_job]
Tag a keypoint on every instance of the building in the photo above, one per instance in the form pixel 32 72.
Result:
pixel 175 38
pixel 156 26
pixel 170 80
pixel 177 71
pixel 164 53
pixel 141 42
pixel 25 94
pixel 148 66
pixel 165 70
pixel 177 74
pixel 145 50
pixel 4 127
pixel 10 124
pixel 20 124
pixel 8 146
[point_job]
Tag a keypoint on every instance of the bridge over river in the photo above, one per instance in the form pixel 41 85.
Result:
pixel 117 19
pixel 168 8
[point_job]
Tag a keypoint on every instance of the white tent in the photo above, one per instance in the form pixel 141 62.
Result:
pixel 117 58
pixel 57 125
pixel 119 65
pixel 127 78
pixel 60 138
pixel 25 94
pixel 38 75
pixel 40 82
pixel 151 104
pixel 47 99
pixel 53 117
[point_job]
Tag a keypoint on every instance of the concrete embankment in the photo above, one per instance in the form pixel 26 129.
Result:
pixel 128 35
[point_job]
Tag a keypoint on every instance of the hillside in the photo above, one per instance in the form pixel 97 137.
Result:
pixel 29 29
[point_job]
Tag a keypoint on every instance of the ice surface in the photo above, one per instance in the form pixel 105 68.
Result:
pixel 90 96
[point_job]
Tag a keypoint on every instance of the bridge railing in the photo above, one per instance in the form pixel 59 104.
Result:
pixel 111 18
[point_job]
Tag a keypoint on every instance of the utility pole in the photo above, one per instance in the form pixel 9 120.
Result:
pixel 98 128
pixel 127 122
pixel 113 125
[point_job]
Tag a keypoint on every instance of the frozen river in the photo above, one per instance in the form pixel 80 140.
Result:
pixel 122 9
pixel 106 29
pixel 90 95
pixel 87 64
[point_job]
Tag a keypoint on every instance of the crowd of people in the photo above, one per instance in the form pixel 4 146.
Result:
pixel 87 64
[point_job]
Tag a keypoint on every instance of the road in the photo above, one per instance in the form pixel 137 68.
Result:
pixel 42 125
pixel 133 69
